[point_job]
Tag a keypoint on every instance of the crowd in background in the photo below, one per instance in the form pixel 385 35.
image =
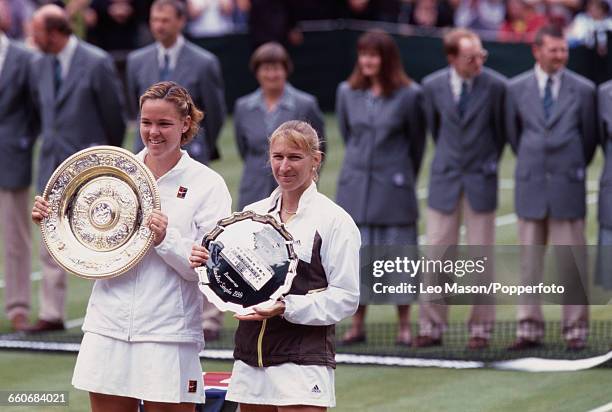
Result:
pixel 122 24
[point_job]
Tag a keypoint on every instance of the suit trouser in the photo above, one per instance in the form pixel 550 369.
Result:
pixel 212 318
pixel 52 289
pixel 17 238
pixel 442 230
pixel 556 232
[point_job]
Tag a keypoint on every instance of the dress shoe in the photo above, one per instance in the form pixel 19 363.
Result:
pixel 20 322
pixel 45 326
pixel 403 338
pixel 424 341
pixel 575 344
pixel 352 339
pixel 477 343
pixel 211 335
pixel 525 344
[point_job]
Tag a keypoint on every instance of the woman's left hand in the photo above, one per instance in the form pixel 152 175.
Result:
pixel 158 223
pixel 278 308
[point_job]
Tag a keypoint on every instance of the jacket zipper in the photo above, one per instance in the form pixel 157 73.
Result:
pixel 260 342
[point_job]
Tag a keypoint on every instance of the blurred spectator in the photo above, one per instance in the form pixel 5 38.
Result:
pixel 18 130
pixel 426 13
pixel 522 22
pixel 373 10
pixel 14 15
pixel 480 14
pixel 273 20
pixel 113 24
pixel 591 27
pixel 81 105
pixel 560 12
pixel 240 15
pixel 465 112
pixel 381 120
pixel 258 114
pixel 209 18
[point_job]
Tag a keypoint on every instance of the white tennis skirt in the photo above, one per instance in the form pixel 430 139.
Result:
pixel 151 371
pixel 282 385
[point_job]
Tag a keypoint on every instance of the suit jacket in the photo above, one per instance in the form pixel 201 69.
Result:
pixel 199 72
pixel 383 155
pixel 552 155
pixel 604 99
pixel 257 181
pixel 87 111
pixel 468 147
pixel 19 123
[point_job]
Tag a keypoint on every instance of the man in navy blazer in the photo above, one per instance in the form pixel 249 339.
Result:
pixel 172 57
pixel 552 126
pixel 18 130
pixel 464 105
pixel 81 105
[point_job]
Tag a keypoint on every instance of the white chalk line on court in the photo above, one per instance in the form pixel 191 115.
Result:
pixel 604 408
pixel 525 364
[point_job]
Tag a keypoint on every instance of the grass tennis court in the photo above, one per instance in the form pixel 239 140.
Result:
pixel 374 388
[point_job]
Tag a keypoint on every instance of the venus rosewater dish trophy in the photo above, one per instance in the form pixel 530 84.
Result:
pixel 100 199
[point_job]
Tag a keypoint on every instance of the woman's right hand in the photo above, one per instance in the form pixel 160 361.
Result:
pixel 40 210
pixel 199 256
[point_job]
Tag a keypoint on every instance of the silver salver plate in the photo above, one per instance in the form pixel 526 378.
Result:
pixel 100 199
pixel 251 262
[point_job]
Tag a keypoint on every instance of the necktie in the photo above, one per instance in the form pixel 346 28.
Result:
pixel 463 98
pixel 547 101
pixel 164 71
pixel 57 74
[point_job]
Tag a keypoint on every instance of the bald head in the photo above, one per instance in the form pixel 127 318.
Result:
pixel 51 28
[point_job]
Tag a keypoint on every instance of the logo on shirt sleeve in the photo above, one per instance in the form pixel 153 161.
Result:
pixel 192 387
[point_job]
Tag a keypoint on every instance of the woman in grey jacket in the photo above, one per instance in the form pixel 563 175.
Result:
pixel 258 114
pixel 382 123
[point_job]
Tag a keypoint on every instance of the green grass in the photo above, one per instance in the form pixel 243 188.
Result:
pixel 361 387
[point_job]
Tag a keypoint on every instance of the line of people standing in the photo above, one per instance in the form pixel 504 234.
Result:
pixel 383 117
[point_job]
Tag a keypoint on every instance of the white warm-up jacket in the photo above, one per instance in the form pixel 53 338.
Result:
pixel 159 300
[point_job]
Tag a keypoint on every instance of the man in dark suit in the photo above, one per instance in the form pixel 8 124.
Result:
pixel 80 102
pixel 603 274
pixel 172 57
pixel 464 108
pixel 18 130
pixel 552 126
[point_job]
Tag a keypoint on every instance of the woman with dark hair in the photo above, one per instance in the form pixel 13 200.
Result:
pixel 258 114
pixel 382 123
pixel 143 329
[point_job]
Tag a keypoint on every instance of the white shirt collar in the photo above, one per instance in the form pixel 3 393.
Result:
pixel 456 81
pixel 542 77
pixel 172 51
pixel 4 44
pixel 65 56
pixel 181 164
pixel 307 196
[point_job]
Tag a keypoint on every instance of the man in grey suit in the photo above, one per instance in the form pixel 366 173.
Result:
pixel 18 130
pixel 464 105
pixel 552 126
pixel 80 103
pixel 172 57
pixel 603 274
